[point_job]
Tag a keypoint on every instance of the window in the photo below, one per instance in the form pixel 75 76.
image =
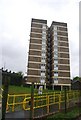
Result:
pixel 48 35
pixel 43 48
pixel 55 80
pixel 43 51
pixel 55 48
pixel 43 42
pixel 55 32
pixel 43 54
pixel 42 80
pixel 42 67
pixel 48 64
pixel 44 31
pixel 55 27
pixel 55 43
pixel 56 74
pixel 43 60
pixel 44 36
pixel 44 26
pixel 55 55
pixel 55 37
pixel 55 67
pixel 48 71
pixel 42 73
pixel 55 61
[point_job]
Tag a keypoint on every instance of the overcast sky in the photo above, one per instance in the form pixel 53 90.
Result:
pixel 15 22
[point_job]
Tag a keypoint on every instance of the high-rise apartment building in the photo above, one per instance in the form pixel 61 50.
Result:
pixel 48 59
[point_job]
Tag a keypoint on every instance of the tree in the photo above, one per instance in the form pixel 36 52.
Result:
pixel 20 73
pixel 77 78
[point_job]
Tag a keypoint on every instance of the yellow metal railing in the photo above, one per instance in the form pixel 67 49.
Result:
pixel 23 101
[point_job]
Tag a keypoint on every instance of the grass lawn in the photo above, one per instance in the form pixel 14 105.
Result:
pixel 70 115
pixel 22 90
pixel 18 89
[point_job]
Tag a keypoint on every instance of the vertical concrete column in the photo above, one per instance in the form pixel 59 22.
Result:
pixel 53 86
pixel 32 102
pixel 35 86
pixel 45 86
pixel 69 87
pixel 61 87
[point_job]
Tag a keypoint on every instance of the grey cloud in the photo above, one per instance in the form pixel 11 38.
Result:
pixel 47 5
pixel 14 53
pixel 14 56
pixel 18 64
pixel 11 51
pixel 53 3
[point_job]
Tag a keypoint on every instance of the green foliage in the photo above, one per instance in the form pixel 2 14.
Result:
pixel 70 115
pixel 77 78
pixel 14 78
pixel 20 73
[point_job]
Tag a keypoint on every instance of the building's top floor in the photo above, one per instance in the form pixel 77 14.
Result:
pixel 45 22
pixel 59 23
pixel 39 21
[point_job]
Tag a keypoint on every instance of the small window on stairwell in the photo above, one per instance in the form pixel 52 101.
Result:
pixel 43 67
pixel 43 42
pixel 44 31
pixel 55 60
pixel 55 27
pixel 44 36
pixel 55 67
pixel 55 74
pixel 43 54
pixel 55 54
pixel 43 60
pixel 42 73
pixel 55 37
pixel 43 48
pixel 44 27
pixel 55 43
pixel 55 32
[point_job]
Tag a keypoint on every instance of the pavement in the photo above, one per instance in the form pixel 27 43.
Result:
pixel 18 115
pixel 26 114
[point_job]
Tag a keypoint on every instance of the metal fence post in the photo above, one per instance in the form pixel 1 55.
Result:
pixel 60 101
pixel 32 102
pixel 65 100
pixel 5 95
pixel 47 104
